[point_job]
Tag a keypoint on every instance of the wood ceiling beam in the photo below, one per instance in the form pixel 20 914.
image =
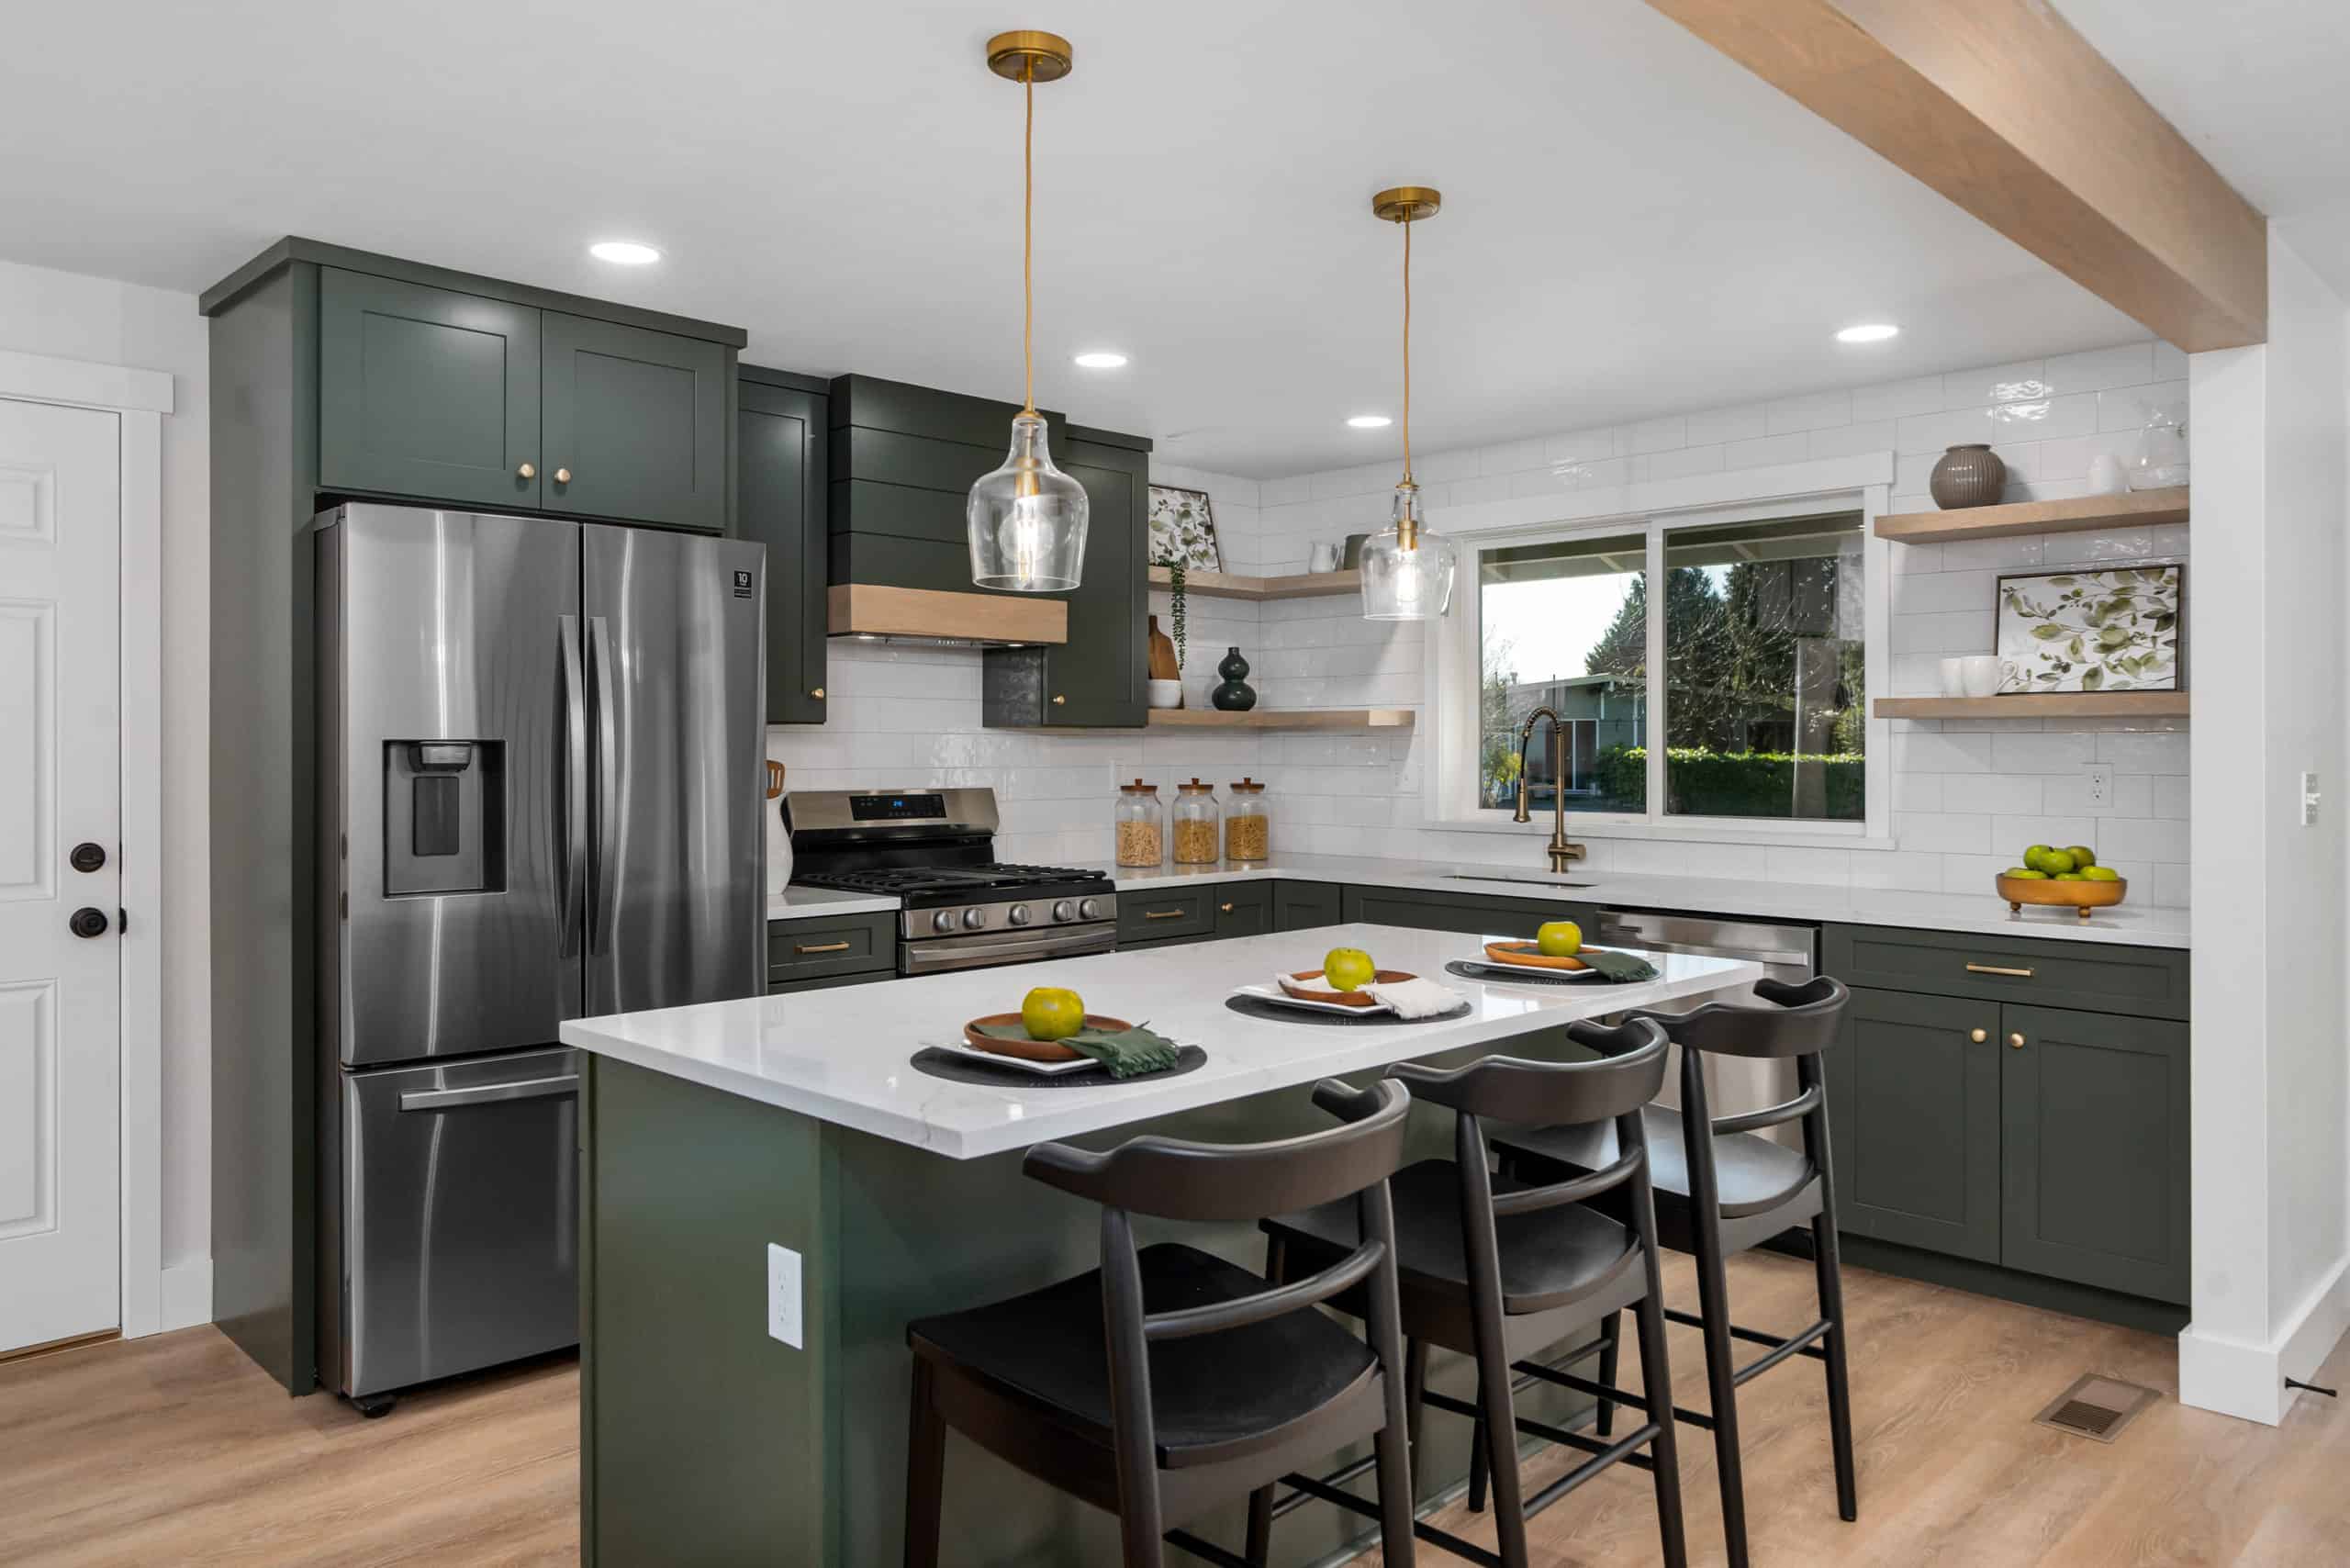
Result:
pixel 2006 110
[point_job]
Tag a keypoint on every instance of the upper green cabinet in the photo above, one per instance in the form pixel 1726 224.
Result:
pixel 636 423
pixel 779 447
pixel 424 392
pixel 1096 679
pixel 498 400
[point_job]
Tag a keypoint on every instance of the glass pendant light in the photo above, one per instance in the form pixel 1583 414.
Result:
pixel 1026 521
pixel 1406 570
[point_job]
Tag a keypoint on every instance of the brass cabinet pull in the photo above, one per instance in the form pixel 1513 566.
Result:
pixel 527 471
pixel 2015 1042
pixel 1225 907
pixel 817 692
pixel 1166 914
pixel 1995 969
pixel 819 947
pixel 1979 1035
pixel 562 475
pixel 1059 699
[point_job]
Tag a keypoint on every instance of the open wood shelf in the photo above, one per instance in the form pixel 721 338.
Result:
pixel 1296 585
pixel 2038 705
pixel 2082 514
pixel 1281 719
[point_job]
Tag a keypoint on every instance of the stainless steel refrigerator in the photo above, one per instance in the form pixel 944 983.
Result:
pixel 541 770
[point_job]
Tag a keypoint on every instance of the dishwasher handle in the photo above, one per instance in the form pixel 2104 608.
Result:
pixel 1632 936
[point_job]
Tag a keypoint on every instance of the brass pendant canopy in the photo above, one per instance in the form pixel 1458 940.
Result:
pixel 1407 571
pixel 1407 204
pixel 1029 55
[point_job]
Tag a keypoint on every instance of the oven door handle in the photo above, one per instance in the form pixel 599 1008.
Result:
pixel 971 952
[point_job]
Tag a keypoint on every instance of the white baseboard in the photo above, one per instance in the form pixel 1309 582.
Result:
pixel 2247 1379
pixel 187 1296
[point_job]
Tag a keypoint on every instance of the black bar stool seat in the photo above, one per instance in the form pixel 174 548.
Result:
pixel 1214 1396
pixel 1758 1176
pixel 1551 1258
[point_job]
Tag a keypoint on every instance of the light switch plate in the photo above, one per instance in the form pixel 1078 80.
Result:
pixel 2309 799
pixel 783 1296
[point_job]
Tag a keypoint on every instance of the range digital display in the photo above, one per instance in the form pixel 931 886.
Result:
pixel 896 807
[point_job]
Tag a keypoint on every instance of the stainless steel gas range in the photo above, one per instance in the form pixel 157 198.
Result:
pixel 935 850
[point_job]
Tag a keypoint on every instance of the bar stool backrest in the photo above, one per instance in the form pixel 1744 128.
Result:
pixel 1550 1093
pixel 1801 1020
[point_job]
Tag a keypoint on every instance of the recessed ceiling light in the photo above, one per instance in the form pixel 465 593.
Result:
pixel 1103 361
pixel 626 252
pixel 1869 332
pixel 1370 421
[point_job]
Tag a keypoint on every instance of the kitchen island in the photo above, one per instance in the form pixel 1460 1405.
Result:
pixel 783 1150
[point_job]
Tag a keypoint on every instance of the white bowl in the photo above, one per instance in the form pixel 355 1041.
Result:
pixel 1167 694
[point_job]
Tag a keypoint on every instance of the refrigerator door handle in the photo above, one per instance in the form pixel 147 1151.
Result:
pixel 606 674
pixel 571 849
pixel 491 1094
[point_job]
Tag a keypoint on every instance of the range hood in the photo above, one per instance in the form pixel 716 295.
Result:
pixel 934 618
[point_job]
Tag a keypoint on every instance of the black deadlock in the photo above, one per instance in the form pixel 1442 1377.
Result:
pixel 88 858
pixel 88 921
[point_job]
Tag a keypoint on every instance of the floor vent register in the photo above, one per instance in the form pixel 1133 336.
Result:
pixel 2097 1407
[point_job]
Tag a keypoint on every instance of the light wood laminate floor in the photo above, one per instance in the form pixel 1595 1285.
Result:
pixel 174 1450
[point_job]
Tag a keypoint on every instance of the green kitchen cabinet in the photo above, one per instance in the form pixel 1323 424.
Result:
pixel 2095 1122
pixel 428 392
pixel 634 423
pixel 780 459
pixel 1914 1113
pixel 1475 915
pixel 829 949
pixel 1243 909
pixel 1299 906
pixel 1096 679
pixel 1184 911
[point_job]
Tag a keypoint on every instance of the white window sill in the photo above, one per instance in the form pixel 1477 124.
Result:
pixel 1826 835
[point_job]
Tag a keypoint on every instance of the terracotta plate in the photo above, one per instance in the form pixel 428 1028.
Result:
pixel 1341 998
pixel 1527 955
pixel 1033 1050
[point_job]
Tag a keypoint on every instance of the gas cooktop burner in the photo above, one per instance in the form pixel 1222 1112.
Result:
pixel 923 886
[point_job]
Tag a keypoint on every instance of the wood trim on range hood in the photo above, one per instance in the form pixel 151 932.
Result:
pixel 904 614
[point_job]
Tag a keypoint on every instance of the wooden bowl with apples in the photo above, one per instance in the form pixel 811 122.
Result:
pixel 2069 878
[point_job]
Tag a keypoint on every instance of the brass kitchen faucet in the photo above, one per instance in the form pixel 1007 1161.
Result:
pixel 1561 851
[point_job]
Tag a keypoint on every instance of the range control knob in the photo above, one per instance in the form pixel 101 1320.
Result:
pixel 1019 916
pixel 1089 908
pixel 974 918
pixel 1063 910
pixel 942 921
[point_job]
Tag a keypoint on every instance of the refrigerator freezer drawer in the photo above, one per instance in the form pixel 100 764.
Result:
pixel 459 1241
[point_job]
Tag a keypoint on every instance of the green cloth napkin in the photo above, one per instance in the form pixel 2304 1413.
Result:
pixel 1127 1053
pixel 1618 968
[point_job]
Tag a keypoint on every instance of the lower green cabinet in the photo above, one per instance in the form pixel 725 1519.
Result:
pixel 1475 914
pixel 2046 1140
pixel 1243 909
pixel 1299 906
pixel 848 946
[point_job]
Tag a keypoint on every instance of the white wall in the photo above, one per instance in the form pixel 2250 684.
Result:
pixel 72 317
pixel 2272 481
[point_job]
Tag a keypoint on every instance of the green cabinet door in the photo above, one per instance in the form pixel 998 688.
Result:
pixel 1095 679
pixel 1475 914
pixel 779 448
pixel 636 423
pixel 427 392
pixel 1243 909
pixel 1300 906
pixel 2096 1122
pixel 1914 1122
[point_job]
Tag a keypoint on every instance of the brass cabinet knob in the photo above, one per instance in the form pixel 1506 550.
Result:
pixel 527 471
pixel 817 692
pixel 2015 1042
pixel 1058 700
pixel 1225 907
pixel 562 475
pixel 1979 1035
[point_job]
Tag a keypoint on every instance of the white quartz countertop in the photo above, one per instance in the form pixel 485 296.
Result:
pixel 838 1055
pixel 797 902
pixel 2134 925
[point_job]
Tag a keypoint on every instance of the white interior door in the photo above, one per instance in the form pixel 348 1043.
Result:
pixel 60 1000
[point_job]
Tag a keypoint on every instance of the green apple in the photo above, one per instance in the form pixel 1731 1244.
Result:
pixel 1348 968
pixel 2037 852
pixel 1558 939
pixel 2100 874
pixel 2025 873
pixel 2083 855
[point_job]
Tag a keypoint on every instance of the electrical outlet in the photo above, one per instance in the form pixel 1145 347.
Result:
pixel 2100 778
pixel 2309 799
pixel 783 1296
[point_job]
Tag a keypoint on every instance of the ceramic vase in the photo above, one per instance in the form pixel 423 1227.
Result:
pixel 1969 476
pixel 1235 695
pixel 1165 675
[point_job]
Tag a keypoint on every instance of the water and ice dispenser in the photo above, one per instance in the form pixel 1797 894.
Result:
pixel 444 817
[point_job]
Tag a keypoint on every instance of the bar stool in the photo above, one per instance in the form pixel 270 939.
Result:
pixel 1494 1268
pixel 1719 1189
pixel 1170 1381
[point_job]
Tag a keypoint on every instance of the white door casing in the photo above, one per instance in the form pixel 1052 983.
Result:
pixel 60 516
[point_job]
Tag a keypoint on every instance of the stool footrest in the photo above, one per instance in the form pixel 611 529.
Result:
pixel 1421 1527
pixel 1802 1343
pixel 1603 1455
pixel 1752 1336
pixel 1585 1385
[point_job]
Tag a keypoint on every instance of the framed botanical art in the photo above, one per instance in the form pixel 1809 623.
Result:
pixel 2098 628
pixel 1182 529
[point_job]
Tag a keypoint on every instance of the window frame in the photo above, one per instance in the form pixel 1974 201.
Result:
pixel 1453 673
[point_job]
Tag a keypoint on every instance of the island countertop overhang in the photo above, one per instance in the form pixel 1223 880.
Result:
pixel 842 1056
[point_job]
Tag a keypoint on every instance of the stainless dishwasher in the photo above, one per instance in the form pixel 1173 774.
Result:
pixel 1786 952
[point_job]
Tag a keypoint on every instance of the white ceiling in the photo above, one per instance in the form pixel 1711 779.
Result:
pixel 2258 87
pixel 1632 223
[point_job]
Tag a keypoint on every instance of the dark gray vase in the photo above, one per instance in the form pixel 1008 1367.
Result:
pixel 1970 476
pixel 1235 695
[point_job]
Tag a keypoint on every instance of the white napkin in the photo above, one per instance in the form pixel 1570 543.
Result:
pixel 1410 999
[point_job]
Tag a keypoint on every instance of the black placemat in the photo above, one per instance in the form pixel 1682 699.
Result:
pixel 1467 970
pixel 1252 1007
pixel 963 1067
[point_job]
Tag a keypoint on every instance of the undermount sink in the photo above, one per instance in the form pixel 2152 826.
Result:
pixel 1512 877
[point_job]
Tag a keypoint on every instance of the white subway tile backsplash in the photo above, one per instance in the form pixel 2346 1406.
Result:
pixel 2058 752
pixel 1968 832
pixel 1843 440
pixel 1944 753
pixel 1686 461
pixel 1762 452
pixel 1718 425
pixel 1816 410
pixel 1656 435
pixel 1897 399
pixel 1996 384
pixel 2131 364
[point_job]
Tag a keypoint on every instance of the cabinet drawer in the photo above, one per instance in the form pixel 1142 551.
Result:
pixel 812 949
pixel 828 982
pixel 1243 909
pixel 1158 914
pixel 1299 906
pixel 2147 982
pixel 1475 915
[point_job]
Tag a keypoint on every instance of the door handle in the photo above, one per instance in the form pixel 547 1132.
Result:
pixel 1995 969
pixel 491 1094
pixel 86 922
pixel 602 671
pixel 571 847
pixel 820 946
